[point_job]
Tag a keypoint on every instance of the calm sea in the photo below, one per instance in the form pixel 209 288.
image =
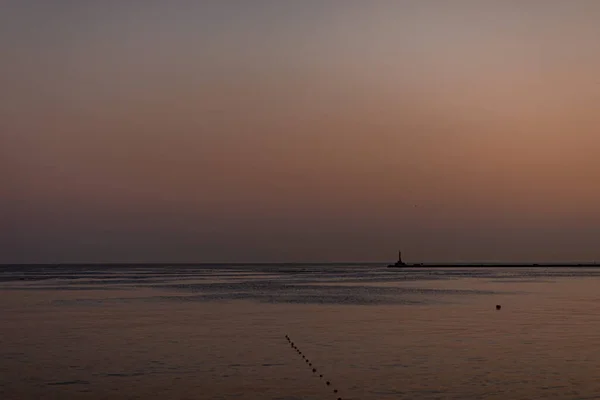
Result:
pixel 372 332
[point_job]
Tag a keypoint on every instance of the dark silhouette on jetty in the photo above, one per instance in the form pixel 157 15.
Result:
pixel 399 263
pixel 402 264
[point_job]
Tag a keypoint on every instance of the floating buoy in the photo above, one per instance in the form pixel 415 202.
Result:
pixel 314 369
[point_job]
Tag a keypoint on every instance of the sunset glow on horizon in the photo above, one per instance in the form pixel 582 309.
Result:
pixel 300 131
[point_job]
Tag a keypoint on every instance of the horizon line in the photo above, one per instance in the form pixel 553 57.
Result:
pixel 337 263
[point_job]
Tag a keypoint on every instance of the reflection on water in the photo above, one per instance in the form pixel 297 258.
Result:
pixel 219 333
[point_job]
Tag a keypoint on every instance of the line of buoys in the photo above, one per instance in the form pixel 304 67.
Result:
pixel 314 369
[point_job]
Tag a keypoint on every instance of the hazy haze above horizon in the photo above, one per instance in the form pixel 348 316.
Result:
pixel 264 130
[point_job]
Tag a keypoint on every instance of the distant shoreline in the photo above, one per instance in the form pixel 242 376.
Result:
pixel 358 264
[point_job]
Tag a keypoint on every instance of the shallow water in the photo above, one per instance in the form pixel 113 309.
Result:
pixel 374 333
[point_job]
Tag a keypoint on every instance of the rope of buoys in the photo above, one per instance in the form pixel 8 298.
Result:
pixel 310 364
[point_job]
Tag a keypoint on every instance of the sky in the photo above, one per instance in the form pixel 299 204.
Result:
pixel 299 131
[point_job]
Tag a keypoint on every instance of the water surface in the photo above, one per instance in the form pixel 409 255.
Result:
pixel 218 332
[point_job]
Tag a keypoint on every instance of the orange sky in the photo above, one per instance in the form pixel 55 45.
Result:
pixel 308 131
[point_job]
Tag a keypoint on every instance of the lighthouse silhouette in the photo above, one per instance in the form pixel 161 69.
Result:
pixel 399 263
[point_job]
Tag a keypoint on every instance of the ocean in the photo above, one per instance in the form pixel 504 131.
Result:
pixel 259 331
